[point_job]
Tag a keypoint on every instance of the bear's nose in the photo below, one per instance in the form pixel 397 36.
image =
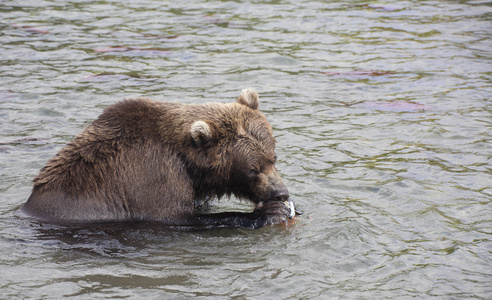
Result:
pixel 280 194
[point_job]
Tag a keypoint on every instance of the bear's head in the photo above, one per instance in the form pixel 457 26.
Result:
pixel 236 149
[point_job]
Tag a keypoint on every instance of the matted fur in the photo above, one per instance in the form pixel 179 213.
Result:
pixel 144 160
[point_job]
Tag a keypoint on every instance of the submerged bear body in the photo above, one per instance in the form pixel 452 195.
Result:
pixel 144 160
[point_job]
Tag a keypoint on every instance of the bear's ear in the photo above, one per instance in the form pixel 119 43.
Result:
pixel 249 97
pixel 201 133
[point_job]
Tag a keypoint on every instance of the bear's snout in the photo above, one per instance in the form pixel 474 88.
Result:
pixel 280 193
pixel 278 190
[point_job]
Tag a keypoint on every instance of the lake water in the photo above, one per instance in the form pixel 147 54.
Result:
pixel 383 116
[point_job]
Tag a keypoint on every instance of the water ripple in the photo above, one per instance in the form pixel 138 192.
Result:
pixel 382 116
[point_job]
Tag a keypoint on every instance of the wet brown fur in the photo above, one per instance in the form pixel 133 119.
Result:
pixel 139 162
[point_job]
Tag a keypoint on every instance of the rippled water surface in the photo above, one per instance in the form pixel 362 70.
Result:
pixel 382 113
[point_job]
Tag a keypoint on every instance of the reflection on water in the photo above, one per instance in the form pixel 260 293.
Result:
pixel 383 120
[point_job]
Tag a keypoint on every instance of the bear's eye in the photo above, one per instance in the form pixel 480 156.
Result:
pixel 253 172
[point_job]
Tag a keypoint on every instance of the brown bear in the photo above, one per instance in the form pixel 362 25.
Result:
pixel 144 160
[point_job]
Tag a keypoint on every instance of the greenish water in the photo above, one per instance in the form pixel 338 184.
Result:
pixel 383 116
